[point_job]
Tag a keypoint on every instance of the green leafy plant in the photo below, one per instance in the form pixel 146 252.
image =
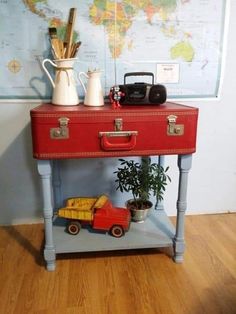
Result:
pixel 142 179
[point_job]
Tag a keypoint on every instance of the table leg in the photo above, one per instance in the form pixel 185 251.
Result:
pixel 184 164
pixel 160 203
pixel 56 184
pixel 45 172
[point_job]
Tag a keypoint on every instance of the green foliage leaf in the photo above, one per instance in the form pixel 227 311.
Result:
pixel 142 178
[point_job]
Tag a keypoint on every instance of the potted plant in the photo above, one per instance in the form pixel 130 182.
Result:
pixel 141 179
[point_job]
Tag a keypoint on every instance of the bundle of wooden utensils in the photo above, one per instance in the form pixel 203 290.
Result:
pixel 67 48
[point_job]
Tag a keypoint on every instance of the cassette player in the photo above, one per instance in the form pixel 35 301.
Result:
pixel 141 93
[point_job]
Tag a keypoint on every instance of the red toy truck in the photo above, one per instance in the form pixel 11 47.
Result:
pixel 97 212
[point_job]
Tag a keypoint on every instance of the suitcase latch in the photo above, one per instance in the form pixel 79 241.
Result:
pixel 62 132
pixel 174 129
pixel 118 124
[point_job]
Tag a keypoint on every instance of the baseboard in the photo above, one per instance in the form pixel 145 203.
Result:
pixel 31 221
pixel 27 221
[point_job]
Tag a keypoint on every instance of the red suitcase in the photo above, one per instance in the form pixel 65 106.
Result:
pixel 80 131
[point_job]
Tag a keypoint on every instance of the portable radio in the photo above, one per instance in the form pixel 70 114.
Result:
pixel 142 93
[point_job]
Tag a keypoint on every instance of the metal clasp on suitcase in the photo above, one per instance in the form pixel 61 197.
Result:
pixel 62 132
pixel 174 129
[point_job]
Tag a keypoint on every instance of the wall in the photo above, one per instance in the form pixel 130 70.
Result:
pixel 212 181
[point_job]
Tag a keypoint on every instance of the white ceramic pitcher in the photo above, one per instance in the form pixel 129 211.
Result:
pixel 64 85
pixel 93 92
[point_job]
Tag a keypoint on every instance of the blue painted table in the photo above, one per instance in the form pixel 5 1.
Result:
pixel 157 231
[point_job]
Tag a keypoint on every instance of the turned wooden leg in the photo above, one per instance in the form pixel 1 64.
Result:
pixel 56 183
pixel 160 204
pixel 184 164
pixel 45 172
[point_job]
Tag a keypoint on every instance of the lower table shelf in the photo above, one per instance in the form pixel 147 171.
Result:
pixel 156 231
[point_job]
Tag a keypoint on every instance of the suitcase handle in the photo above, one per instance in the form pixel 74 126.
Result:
pixel 108 146
pixel 139 74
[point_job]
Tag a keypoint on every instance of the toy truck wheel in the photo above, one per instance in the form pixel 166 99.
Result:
pixel 117 231
pixel 73 227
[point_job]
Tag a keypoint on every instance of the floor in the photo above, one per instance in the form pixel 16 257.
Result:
pixel 134 282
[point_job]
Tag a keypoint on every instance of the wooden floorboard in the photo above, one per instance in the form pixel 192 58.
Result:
pixel 134 282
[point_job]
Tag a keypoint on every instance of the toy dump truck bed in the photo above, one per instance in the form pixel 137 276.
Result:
pixel 82 208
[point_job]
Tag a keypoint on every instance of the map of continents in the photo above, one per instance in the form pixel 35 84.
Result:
pixel 117 17
pixel 123 13
pixel 118 37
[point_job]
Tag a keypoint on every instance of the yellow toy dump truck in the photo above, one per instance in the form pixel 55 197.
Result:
pixel 98 212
